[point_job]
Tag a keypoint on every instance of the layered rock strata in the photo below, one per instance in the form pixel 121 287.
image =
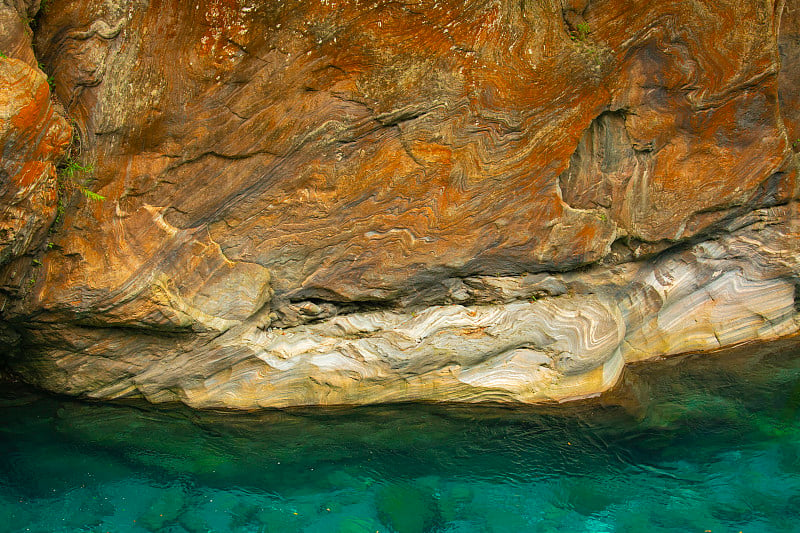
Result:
pixel 529 339
pixel 341 202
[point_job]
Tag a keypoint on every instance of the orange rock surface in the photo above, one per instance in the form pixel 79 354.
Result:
pixel 33 137
pixel 270 164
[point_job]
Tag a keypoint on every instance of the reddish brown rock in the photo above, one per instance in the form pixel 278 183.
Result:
pixel 33 137
pixel 352 149
pixel 273 164
pixel 16 29
pixel 789 76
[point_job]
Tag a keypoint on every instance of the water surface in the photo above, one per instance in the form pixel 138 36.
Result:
pixel 696 444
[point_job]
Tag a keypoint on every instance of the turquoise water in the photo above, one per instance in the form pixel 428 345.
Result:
pixel 692 445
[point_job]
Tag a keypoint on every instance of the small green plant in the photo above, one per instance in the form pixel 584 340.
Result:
pixel 583 31
pixel 580 33
pixel 51 81
pixel 59 210
pixel 71 176
pixel 3 55
pixel 91 195
pixel 29 22
pixel 36 263
pixel 71 170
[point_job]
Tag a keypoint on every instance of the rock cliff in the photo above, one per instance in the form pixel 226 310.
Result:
pixel 323 202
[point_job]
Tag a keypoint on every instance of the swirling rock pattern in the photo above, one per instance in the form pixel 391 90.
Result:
pixel 335 201
pixel 717 294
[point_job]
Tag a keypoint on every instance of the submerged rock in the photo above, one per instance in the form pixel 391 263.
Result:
pixel 406 508
pixel 333 202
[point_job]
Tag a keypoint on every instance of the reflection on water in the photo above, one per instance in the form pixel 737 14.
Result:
pixel 698 444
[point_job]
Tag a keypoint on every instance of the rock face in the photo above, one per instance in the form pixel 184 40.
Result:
pixel 33 136
pixel 342 202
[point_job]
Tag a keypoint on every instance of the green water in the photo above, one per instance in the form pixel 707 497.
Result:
pixel 693 445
